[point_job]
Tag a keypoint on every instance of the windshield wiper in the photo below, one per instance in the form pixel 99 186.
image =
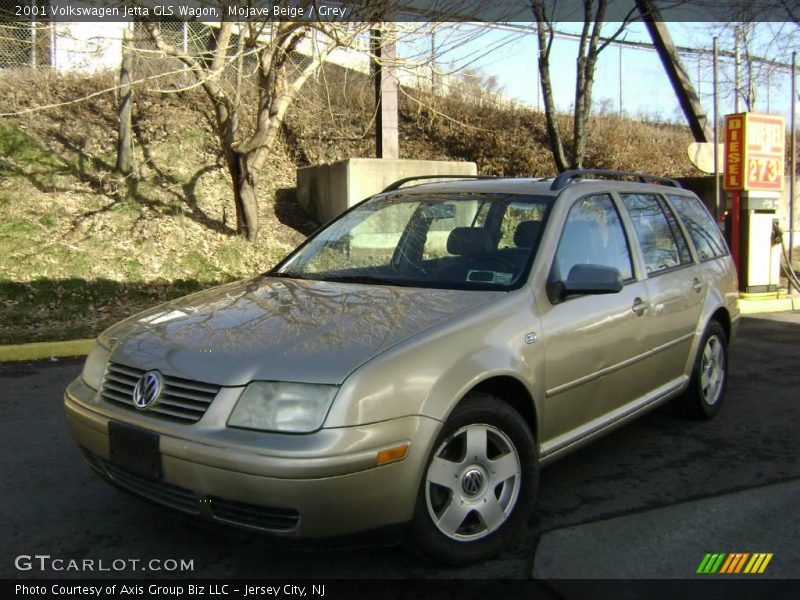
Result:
pixel 363 279
pixel 338 278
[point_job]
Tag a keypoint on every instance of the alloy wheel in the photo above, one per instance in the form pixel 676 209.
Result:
pixel 472 483
pixel 712 370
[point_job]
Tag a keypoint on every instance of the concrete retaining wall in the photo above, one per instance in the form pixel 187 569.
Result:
pixel 325 191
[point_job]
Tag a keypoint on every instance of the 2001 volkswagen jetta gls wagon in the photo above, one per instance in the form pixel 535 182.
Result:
pixel 417 360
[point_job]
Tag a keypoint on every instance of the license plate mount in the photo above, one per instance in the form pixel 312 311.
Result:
pixel 134 449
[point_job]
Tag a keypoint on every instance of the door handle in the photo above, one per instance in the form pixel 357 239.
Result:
pixel 639 306
pixel 697 285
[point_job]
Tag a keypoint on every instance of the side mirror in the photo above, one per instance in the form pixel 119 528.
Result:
pixel 586 279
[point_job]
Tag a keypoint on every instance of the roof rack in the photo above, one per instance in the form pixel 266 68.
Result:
pixel 566 177
pixel 401 182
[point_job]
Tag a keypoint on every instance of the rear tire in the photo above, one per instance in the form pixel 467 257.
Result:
pixel 479 484
pixel 709 379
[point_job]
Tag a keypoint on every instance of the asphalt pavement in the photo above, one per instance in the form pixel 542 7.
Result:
pixel 646 501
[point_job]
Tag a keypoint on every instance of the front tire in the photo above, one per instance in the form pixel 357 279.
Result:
pixel 709 380
pixel 479 484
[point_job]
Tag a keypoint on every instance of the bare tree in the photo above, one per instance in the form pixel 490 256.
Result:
pixel 280 77
pixel 792 11
pixel 474 86
pixel 277 59
pixel 762 34
pixel 761 45
pixel 590 45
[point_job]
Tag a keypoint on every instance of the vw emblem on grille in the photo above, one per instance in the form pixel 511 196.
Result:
pixel 147 390
pixel 472 482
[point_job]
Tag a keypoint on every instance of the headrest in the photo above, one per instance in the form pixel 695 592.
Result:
pixel 469 241
pixel 526 233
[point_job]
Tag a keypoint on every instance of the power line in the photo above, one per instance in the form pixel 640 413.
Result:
pixel 646 46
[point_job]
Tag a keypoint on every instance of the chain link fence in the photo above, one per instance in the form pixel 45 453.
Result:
pixel 149 63
pixel 199 41
pixel 24 44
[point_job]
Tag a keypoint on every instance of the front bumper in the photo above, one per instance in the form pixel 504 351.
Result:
pixel 316 485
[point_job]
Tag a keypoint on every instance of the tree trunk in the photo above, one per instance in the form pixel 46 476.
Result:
pixel 246 198
pixel 243 184
pixel 553 132
pixel 583 106
pixel 124 139
pixel 241 169
pixel 580 115
pixel 579 110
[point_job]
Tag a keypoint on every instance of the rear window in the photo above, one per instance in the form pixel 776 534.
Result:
pixel 661 240
pixel 701 227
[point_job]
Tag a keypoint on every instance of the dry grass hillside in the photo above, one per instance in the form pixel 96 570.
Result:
pixel 77 252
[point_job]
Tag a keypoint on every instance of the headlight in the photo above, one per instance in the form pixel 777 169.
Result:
pixel 278 406
pixel 107 340
pixel 95 366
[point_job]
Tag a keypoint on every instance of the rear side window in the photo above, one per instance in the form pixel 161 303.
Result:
pixel 593 234
pixel 521 225
pixel 662 241
pixel 701 227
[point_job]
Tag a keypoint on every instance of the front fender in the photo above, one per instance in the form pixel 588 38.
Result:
pixel 429 374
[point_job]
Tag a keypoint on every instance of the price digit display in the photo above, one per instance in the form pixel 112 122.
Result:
pixel 763 171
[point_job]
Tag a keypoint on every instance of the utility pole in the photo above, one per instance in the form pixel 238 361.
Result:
pixel 620 80
pixel 715 93
pixel 793 162
pixel 736 69
pixel 433 61
pixel 678 77
pixel 699 77
pixel 769 84
pixel 387 144
pixel 33 34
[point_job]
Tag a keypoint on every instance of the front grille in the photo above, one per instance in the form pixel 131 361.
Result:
pixel 157 491
pixel 262 517
pixel 225 511
pixel 180 400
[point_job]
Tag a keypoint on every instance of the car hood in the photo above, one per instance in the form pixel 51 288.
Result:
pixel 280 329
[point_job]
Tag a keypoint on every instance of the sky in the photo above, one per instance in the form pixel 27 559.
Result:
pixel 646 91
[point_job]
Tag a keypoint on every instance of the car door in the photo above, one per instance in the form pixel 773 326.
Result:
pixel 673 285
pixel 593 343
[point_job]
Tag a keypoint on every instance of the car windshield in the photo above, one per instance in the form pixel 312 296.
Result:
pixel 439 240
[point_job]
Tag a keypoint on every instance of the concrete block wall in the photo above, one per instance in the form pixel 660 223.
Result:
pixel 327 190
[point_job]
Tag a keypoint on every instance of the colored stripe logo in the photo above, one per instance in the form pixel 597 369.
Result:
pixel 734 562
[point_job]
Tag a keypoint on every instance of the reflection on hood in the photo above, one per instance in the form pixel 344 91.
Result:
pixel 281 329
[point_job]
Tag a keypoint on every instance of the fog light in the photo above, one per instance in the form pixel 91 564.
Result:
pixel 391 455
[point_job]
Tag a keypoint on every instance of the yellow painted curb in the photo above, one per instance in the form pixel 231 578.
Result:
pixel 40 350
pixel 779 295
pixel 750 307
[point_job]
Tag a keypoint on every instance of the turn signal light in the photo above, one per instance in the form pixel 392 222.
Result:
pixel 391 455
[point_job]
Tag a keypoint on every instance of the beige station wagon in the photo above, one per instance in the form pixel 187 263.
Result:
pixel 413 364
